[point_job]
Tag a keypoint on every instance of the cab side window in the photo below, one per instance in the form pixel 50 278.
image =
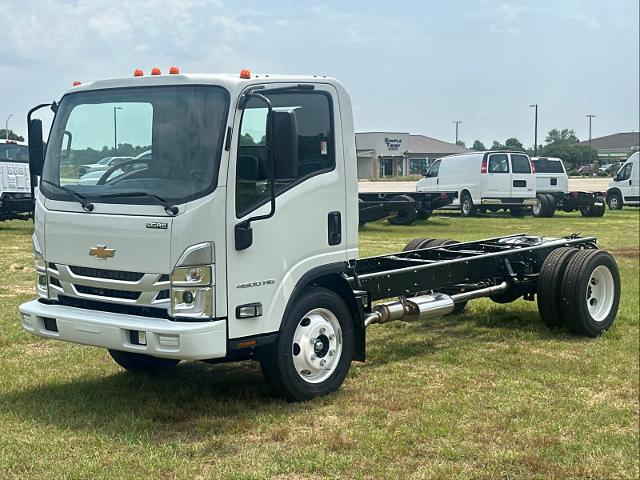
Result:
pixel 311 137
pixel 433 170
pixel 626 173
pixel 498 163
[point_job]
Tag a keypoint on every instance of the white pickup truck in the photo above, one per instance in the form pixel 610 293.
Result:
pixel 15 180
pixel 239 239
pixel 552 191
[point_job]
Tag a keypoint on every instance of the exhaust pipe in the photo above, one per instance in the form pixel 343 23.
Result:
pixel 426 306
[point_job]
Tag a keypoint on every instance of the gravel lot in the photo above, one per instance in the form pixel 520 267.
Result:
pixel 595 184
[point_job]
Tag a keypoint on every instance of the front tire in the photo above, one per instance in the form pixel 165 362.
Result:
pixel 614 200
pixel 137 362
pixel 314 349
pixel 539 209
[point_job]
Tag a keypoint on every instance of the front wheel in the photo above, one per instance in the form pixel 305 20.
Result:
pixel 614 200
pixel 314 349
pixel 137 362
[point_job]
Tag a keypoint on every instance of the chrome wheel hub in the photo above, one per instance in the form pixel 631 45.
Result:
pixel 600 293
pixel 317 345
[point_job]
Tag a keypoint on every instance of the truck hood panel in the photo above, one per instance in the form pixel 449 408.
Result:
pixel 136 247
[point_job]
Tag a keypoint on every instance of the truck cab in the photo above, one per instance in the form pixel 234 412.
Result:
pixel 551 176
pixel 624 189
pixel 180 250
pixel 15 186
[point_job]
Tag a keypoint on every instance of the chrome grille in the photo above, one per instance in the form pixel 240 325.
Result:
pixel 116 286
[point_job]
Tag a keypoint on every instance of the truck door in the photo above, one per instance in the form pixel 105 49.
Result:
pixel 523 182
pixel 307 230
pixel 628 183
pixel 429 183
pixel 496 180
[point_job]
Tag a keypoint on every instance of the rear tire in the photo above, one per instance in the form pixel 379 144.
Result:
pixel 406 215
pixel 590 292
pixel 540 208
pixel 593 210
pixel 314 349
pixel 467 209
pixel 549 286
pixel 614 200
pixel 137 362
pixel 552 205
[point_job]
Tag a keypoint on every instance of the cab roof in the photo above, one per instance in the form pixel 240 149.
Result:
pixel 232 82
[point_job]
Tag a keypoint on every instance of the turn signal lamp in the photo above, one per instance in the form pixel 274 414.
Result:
pixel 245 73
pixel 174 70
pixel 76 83
pixel 138 73
pixel 156 71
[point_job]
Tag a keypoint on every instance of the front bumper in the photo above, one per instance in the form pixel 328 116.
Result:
pixel 164 338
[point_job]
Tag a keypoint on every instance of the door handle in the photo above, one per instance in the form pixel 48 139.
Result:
pixel 334 228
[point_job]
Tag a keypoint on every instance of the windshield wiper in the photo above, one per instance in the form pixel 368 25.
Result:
pixel 87 206
pixel 168 207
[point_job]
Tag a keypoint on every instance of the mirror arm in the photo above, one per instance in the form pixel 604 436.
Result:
pixel 244 237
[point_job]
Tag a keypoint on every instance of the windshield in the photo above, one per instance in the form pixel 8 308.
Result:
pixel 11 152
pixel 164 141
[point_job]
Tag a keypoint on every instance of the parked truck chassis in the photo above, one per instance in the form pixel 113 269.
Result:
pixel 401 208
pixel 590 204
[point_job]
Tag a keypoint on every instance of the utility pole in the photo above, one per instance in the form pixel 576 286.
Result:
pixel 457 122
pixel 6 127
pixel 535 131
pixel 590 117
pixel 115 129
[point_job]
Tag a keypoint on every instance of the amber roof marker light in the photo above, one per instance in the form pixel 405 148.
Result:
pixel 156 71
pixel 174 70
pixel 245 73
pixel 138 72
pixel 77 83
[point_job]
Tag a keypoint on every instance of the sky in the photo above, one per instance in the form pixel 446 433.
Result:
pixel 409 66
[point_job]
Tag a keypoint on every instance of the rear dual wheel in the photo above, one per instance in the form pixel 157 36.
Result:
pixel 579 288
pixel 407 214
pixel 594 210
pixel 545 206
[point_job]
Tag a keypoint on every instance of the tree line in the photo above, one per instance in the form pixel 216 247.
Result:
pixel 558 143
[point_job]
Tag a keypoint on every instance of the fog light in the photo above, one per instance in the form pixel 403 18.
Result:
pixel 42 280
pixel 187 297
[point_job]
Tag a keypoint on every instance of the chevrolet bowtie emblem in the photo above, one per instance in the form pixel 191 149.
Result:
pixel 102 252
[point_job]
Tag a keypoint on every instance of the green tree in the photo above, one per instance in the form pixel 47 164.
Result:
pixel 12 135
pixel 513 144
pixel 567 136
pixel 478 146
pixel 498 146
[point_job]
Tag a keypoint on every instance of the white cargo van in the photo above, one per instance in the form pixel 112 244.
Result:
pixel 625 187
pixel 15 185
pixel 484 181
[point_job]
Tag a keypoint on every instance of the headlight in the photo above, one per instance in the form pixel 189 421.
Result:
pixel 191 292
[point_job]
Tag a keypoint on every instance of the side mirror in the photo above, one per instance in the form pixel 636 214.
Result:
pixel 36 147
pixel 285 145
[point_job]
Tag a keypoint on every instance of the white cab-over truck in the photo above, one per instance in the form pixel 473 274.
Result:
pixel 239 237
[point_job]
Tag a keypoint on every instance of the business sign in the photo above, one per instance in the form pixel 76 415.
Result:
pixel 393 144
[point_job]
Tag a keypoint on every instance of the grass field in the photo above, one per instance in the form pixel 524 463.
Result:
pixel 487 394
